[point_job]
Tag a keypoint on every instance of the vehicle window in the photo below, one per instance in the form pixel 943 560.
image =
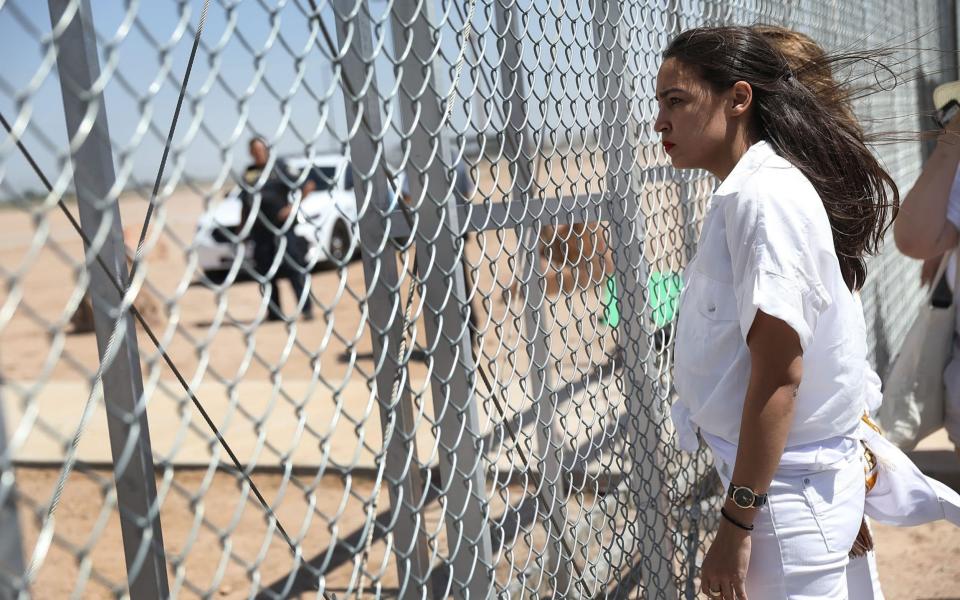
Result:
pixel 323 177
pixel 348 179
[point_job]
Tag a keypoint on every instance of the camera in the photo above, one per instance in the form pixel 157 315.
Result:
pixel 943 116
pixel 946 100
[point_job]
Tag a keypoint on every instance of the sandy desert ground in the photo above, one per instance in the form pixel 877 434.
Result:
pixel 300 392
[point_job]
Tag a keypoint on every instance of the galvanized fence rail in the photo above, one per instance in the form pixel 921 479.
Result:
pixel 466 393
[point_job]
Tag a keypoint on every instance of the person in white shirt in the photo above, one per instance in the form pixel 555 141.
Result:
pixel 770 352
pixel 927 228
pixel 898 493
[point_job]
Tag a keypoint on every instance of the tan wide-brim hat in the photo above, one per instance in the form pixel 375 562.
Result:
pixel 945 93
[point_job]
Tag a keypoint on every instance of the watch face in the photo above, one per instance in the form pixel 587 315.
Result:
pixel 743 497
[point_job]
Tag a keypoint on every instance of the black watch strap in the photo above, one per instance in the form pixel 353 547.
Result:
pixel 737 493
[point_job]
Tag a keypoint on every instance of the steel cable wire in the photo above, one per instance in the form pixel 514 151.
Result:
pixel 115 336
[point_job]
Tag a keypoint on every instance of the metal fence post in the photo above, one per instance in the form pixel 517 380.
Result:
pixel 11 541
pixel 624 185
pixel 540 388
pixel 439 246
pixel 953 13
pixel 93 172
pixel 687 190
pixel 385 313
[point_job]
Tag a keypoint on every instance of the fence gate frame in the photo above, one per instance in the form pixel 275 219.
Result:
pixel 78 67
pixel 452 380
pixel 624 180
pixel 385 313
pixel 540 390
pixel 12 569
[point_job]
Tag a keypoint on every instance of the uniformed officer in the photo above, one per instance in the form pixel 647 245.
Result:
pixel 273 214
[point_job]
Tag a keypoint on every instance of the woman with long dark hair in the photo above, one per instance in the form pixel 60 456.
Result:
pixel 771 344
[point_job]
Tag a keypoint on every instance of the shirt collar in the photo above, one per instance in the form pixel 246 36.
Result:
pixel 755 156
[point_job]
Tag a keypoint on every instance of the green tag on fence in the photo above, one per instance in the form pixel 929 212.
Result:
pixel 663 290
pixel 611 306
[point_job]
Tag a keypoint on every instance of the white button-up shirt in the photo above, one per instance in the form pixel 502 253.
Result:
pixel 766 244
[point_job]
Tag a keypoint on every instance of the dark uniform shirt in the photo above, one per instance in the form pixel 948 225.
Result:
pixel 274 195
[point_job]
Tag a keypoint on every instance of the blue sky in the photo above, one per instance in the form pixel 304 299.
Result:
pixel 140 100
pixel 245 79
pixel 238 38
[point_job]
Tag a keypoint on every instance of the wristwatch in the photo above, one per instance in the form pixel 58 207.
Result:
pixel 744 497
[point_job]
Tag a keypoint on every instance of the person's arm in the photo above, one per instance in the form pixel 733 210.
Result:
pixel 776 366
pixel 774 240
pixel 308 188
pixel 249 178
pixel 921 229
pixel 305 191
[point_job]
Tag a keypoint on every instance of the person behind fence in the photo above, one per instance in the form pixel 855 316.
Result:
pixel 771 346
pixel 271 196
pixel 927 228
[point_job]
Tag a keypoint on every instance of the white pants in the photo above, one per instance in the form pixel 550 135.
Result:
pixel 863 581
pixel 802 538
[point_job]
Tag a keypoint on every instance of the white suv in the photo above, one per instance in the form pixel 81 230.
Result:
pixel 327 220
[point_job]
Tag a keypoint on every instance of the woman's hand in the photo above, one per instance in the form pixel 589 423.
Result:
pixel 724 570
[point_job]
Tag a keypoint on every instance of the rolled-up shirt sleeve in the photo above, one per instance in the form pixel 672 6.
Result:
pixel 775 247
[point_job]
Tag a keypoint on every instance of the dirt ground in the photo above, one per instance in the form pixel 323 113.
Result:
pixel 214 531
pixel 919 562
pixel 205 568
pixel 914 563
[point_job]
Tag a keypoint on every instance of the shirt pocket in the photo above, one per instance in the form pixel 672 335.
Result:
pixel 836 499
pixel 717 301
pixel 708 326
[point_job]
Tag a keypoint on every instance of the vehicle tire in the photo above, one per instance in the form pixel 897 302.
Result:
pixel 339 250
pixel 219 276
pixel 216 276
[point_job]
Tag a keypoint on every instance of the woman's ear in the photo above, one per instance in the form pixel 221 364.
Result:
pixel 741 99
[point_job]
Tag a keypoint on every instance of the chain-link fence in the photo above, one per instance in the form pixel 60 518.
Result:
pixel 462 391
